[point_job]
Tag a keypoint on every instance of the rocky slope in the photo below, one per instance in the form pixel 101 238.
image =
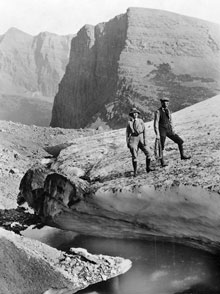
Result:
pixel 93 191
pixel 31 67
pixel 134 59
pixel 20 147
pixel 89 187
pixel 26 110
pixel 28 266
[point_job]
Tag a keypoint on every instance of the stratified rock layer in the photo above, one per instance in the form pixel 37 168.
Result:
pixel 134 59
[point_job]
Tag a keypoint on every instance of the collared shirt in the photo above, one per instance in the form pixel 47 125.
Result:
pixel 135 127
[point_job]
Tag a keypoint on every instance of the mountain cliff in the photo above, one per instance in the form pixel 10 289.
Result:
pixel 134 59
pixel 32 64
pixel 31 68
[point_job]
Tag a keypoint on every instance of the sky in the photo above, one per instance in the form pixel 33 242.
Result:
pixel 68 16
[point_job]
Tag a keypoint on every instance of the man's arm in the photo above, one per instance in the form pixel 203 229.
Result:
pixel 171 121
pixel 144 132
pixel 156 123
pixel 127 134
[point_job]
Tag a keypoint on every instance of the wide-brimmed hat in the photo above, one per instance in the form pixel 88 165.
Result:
pixel 134 110
pixel 164 99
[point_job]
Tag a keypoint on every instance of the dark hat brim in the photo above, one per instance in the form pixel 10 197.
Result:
pixel 134 111
pixel 164 99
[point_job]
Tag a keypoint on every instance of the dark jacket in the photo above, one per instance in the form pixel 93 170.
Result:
pixel 163 121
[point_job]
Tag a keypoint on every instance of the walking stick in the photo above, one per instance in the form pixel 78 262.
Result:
pixel 157 149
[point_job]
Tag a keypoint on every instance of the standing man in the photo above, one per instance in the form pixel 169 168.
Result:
pixel 163 128
pixel 136 138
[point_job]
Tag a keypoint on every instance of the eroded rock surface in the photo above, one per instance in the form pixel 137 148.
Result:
pixel 180 201
pixel 21 146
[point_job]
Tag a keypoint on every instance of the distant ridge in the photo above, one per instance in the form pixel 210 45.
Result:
pixel 32 64
pixel 31 68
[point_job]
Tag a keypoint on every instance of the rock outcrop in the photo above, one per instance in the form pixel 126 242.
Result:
pixel 29 266
pixel 20 147
pixel 134 59
pixel 89 188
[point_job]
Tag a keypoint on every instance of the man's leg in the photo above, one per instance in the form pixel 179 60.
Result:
pixel 133 146
pixel 148 154
pixel 179 141
pixel 182 154
pixel 162 141
pixel 148 165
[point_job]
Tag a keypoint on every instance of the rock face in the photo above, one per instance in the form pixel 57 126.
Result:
pixel 30 71
pixel 89 187
pixel 32 64
pixel 134 59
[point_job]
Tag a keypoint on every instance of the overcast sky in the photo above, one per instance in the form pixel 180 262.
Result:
pixel 68 16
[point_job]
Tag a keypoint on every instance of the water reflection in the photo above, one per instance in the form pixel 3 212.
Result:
pixel 158 267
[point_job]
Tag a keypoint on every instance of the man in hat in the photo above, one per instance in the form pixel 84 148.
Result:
pixel 163 128
pixel 136 138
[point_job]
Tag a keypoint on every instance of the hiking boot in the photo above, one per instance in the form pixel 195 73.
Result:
pixel 148 165
pixel 134 163
pixel 163 163
pixel 182 155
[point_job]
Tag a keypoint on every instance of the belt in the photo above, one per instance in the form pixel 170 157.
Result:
pixel 136 134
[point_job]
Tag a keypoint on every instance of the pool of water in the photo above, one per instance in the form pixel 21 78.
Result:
pixel 157 267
